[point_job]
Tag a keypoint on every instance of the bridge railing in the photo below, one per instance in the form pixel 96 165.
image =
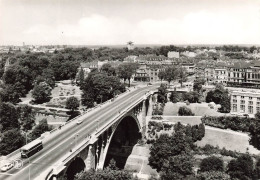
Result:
pixel 55 129
pixel 79 148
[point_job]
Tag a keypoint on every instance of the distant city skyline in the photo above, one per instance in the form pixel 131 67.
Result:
pixel 115 22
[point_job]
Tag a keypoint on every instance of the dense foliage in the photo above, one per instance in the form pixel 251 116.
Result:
pixel 99 87
pixel 236 123
pixel 241 168
pixel 109 173
pixel 162 94
pixel 41 92
pixel 185 111
pixel 27 117
pixel 11 140
pixel 125 71
pixel 171 154
pixel 212 163
pixel 8 117
pixel 219 96
pixel 39 129
pixel 254 131
pixel 72 103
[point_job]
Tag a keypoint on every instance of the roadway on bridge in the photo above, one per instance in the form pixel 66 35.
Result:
pixel 71 134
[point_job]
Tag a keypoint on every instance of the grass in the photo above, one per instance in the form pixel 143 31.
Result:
pixel 228 139
pixel 200 109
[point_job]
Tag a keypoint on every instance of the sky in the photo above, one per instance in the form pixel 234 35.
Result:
pixel 115 22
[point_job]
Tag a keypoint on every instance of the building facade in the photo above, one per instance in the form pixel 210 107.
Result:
pixel 245 102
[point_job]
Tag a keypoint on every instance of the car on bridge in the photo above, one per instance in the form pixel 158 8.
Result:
pixel 7 166
pixel 79 121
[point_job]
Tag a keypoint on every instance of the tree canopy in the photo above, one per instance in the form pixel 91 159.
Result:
pixel 11 141
pixel 99 87
pixel 9 116
pixel 72 103
pixel 41 92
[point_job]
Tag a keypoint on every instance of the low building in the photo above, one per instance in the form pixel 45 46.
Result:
pixel 245 102
pixel 173 54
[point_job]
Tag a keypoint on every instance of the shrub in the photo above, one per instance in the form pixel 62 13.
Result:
pixel 241 168
pixel 213 175
pixel 212 163
pixel 235 123
pixel 184 111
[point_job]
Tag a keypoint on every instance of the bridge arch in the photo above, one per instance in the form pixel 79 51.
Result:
pixel 122 140
pixel 76 166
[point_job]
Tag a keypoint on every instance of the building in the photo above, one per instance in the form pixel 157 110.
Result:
pixel 7 64
pixel 141 74
pixel 130 45
pixel 245 102
pixel 221 73
pixel 89 66
pixel 130 59
pixel 173 54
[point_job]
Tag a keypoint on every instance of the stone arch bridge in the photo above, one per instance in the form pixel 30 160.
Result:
pixel 114 140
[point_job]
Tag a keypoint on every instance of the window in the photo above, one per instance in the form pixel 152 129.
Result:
pixel 250 98
pixel 242 97
pixel 250 102
pixel 234 108
pixel 258 103
pixel 234 97
pixel 258 99
pixel 257 109
pixel 242 108
pixel 234 101
pixel 242 102
pixel 250 109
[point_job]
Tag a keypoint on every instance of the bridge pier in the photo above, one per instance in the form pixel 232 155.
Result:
pixel 101 155
pixel 90 161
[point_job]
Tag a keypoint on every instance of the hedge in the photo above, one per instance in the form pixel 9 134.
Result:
pixel 235 123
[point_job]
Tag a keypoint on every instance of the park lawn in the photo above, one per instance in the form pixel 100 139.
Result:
pixel 200 109
pixel 231 140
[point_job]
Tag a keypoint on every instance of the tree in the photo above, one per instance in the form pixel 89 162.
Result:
pixel 9 116
pixel 219 96
pixel 11 141
pixel 175 96
pixel 212 163
pixel 182 74
pixel 99 87
pixel 109 173
pixel 126 71
pixel 81 77
pixel 192 97
pixel 197 85
pixel 41 92
pixel 162 93
pixel 72 103
pixel 10 93
pixel 108 69
pixel 167 146
pixel 171 73
pixel 177 167
pixel 241 168
pixel 254 130
pixel 185 111
pixel 27 117
pixel 161 75
pixel 257 115
pixel 213 175
pixel 39 129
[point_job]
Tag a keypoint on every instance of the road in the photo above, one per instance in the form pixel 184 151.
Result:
pixel 72 134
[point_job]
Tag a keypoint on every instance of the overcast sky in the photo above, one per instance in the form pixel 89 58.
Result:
pixel 97 22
